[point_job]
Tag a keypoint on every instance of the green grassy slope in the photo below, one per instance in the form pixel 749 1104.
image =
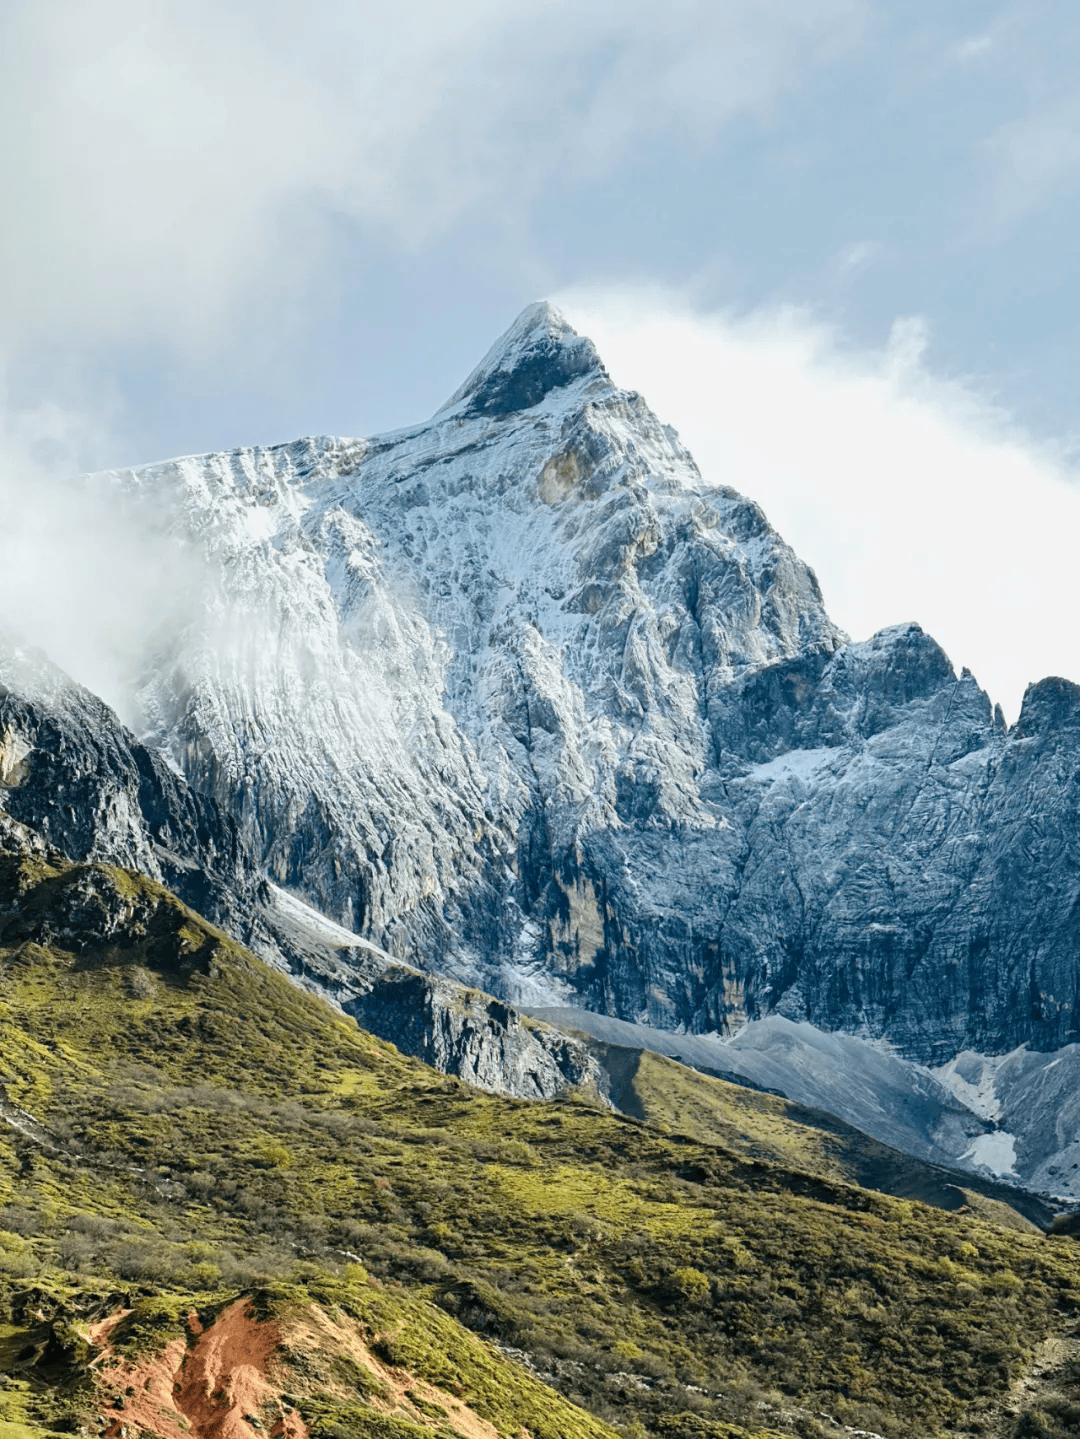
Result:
pixel 673 1097
pixel 181 1121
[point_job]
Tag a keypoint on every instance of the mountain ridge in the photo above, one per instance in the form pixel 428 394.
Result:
pixel 513 696
pixel 500 692
pixel 519 703
pixel 76 778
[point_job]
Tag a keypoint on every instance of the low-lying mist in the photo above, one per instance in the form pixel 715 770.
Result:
pixel 88 574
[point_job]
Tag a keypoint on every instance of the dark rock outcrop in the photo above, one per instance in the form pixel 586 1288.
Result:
pixel 455 1029
pixel 76 785
pixel 465 1032
pixel 70 771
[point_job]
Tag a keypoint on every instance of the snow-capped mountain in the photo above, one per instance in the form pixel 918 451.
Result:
pixel 435 668
pixel 519 696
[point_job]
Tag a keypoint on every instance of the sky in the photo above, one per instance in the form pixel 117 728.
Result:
pixel 832 241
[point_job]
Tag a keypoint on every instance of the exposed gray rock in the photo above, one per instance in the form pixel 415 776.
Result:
pixel 75 783
pixel 453 1028
pixel 71 772
pixel 468 1033
pixel 517 697
pixel 894 1101
pixel 914 870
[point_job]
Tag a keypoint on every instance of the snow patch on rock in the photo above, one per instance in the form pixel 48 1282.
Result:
pixel 995 1152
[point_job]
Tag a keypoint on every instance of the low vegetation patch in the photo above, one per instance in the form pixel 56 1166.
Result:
pixel 212 1131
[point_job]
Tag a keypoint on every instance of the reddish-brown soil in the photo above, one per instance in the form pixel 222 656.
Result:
pixel 216 1381
pixel 205 1389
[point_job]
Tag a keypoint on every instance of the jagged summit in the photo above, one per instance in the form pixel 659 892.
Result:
pixel 459 654
pixel 539 353
pixel 1052 704
pixel 519 697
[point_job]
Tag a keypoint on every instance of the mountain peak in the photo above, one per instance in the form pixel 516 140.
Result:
pixel 540 352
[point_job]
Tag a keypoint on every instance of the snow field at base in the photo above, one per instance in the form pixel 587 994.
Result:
pixel 295 911
pixel 995 1152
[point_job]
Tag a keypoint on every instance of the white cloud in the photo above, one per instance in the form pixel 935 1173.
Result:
pixel 170 170
pixel 908 493
pixel 160 160
pixel 81 577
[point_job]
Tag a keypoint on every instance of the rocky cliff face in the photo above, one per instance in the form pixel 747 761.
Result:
pixel 73 775
pixel 75 783
pixel 520 698
pixel 912 869
pixel 465 1032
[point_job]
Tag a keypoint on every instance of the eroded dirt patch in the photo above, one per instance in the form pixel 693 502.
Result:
pixel 242 1378
pixel 210 1385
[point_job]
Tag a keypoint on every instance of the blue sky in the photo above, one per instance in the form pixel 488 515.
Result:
pixel 234 223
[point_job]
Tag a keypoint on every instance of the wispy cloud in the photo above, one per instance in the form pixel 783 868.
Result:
pixel 172 171
pixel 82 577
pixel 973 48
pixel 159 160
pixel 858 256
pixel 1028 156
pixel 1033 159
pixel 910 494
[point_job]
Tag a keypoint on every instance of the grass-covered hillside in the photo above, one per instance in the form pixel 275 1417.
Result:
pixel 670 1096
pixel 190 1138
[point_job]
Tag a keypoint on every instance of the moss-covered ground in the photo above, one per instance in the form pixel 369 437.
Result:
pixel 181 1121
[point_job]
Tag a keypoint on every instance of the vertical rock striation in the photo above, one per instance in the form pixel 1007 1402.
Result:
pixel 75 783
pixel 517 696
